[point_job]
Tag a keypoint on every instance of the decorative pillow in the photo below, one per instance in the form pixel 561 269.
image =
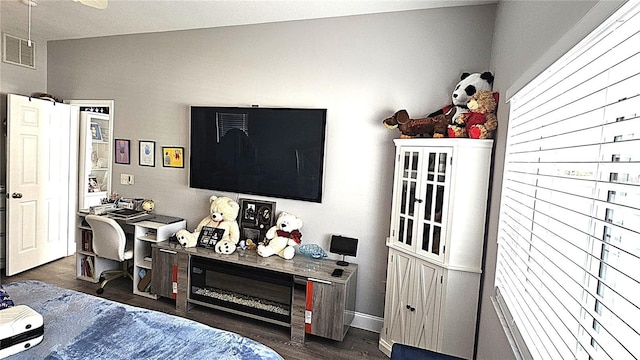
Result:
pixel 312 251
pixel 5 299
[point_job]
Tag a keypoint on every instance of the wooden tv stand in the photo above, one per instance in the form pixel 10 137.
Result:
pixel 320 305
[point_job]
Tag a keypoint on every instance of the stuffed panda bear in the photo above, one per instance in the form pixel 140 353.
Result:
pixel 469 84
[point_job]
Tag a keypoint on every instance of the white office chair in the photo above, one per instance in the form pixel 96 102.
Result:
pixel 110 242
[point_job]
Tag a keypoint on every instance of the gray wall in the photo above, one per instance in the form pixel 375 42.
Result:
pixel 361 68
pixel 528 36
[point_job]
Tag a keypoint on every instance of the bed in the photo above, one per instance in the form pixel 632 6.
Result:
pixel 81 326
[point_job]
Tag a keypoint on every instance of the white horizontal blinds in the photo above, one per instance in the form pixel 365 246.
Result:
pixel 569 231
pixel 226 122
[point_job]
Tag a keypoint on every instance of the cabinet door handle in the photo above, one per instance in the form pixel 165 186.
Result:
pixel 408 306
pixel 413 309
pixel 419 201
pixel 168 251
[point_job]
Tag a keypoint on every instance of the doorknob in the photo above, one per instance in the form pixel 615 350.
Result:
pixel 16 195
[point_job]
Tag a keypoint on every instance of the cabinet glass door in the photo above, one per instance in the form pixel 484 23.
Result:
pixel 433 200
pixel 95 158
pixel 406 214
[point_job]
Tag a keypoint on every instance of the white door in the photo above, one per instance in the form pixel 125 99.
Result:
pixel 39 155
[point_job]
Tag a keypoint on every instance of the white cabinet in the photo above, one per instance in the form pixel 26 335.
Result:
pixel 147 233
pixel 96 149
pixel 436 242
pixel 413 301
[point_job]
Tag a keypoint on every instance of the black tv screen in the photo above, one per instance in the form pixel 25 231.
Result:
pixel 276 152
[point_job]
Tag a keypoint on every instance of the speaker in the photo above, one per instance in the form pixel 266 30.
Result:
pixel 344 246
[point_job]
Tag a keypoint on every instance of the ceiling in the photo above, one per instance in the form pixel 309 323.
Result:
pixel 67 19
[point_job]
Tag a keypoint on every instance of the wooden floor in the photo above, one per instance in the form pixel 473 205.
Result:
pixel 358 344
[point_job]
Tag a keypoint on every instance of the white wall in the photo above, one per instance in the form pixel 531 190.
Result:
pixel 362 69
pixel 528 35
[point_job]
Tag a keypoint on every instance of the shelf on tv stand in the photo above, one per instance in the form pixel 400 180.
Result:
pixel 331 299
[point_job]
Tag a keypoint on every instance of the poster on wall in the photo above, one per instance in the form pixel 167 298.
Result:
pixel 147 153
pixel 122 151
pixel 173 157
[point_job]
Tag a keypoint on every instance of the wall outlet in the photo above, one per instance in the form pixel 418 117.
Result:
pixel 126 179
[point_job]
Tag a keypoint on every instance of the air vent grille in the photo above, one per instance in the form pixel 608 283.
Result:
pixel 18 52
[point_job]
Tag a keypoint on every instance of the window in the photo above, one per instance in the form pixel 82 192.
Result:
pixel 568 267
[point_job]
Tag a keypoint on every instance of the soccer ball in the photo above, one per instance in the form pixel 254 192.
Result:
pixel 148 205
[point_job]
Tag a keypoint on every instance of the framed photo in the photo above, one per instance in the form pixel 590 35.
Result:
pixel 122 151
pixel 93 184
pixel 256 217
pixel 173 157
pixel 209 236
pixel 147 153
pixel 96 132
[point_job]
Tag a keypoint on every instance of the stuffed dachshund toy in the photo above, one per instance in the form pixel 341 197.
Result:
pixel 435 126
pixel 468 85
pixel 282 237
pixel 480 122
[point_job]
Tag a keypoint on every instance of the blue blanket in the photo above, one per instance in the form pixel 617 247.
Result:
pixel 81 326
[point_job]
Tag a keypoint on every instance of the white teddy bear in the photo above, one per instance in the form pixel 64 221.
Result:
pixel 223 212
pixel 282 237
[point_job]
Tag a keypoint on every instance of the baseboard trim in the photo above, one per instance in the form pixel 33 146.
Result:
pixel 367 322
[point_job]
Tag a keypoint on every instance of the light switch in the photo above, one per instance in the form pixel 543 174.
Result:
pixel 126 179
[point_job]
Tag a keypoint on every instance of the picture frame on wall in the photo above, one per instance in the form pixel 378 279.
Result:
pixel 173 156
pixel 256 217
pixel 147 151
pixel 123 151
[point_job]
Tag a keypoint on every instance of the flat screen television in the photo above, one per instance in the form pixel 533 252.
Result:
pixel 276 152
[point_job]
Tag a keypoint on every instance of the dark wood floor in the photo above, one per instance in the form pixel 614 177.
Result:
pixel 358 344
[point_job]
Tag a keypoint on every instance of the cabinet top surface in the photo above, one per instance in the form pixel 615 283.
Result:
pixel 460 142
pixel 300 265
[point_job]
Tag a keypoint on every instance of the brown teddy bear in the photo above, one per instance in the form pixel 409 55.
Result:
pixel 434 126
pixel 481 121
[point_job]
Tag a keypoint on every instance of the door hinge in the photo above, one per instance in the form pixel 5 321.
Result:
pixel 451 161
pixel 444 249
pixel 440 279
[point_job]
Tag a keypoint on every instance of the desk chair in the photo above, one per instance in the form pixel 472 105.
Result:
pixel 110 242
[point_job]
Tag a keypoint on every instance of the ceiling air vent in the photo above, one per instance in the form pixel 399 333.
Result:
pixel 18 52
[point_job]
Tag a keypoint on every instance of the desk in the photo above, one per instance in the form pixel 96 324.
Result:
pixel 145 231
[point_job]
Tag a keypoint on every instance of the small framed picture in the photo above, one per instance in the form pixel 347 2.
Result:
pixel 122 151
pixel 93 184
pixel 96 132
pixel 173 157
pixel 256 217
pixel 147 153
pixel 209 236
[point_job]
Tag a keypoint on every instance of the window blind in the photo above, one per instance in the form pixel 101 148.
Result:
pixel 568 265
